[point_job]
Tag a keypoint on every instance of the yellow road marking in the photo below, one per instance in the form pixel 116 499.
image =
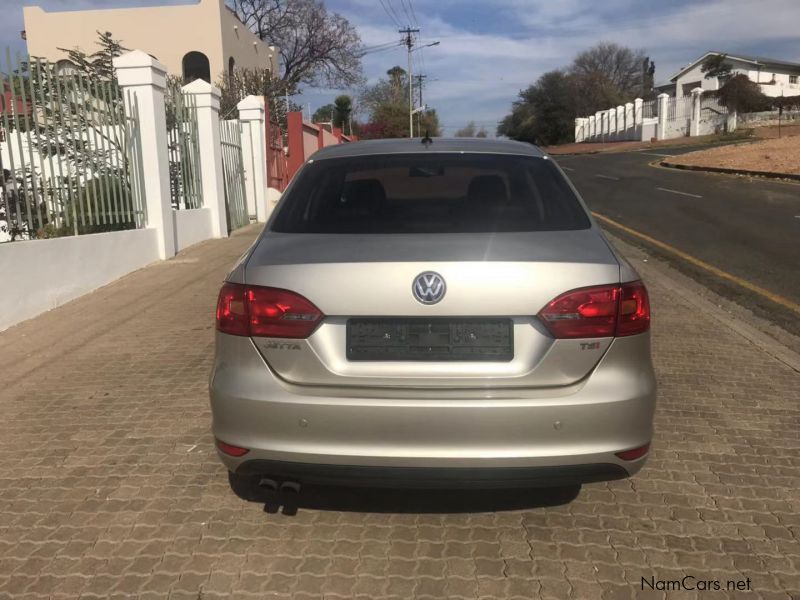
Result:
pixel 777 299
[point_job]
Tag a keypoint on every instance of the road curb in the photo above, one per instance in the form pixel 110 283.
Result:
pixel 755 330
pixel 726 171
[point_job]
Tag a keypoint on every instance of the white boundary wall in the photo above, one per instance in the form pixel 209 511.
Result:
pixel 626 122
pixel 39 275
pixel 191 226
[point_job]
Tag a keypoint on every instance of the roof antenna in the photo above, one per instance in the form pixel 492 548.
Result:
pixel 427 139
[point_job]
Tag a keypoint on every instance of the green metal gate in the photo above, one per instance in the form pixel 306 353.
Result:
pixel 73 153
pixel 233 171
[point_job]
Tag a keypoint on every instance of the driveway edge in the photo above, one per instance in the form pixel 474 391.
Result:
pixel 781 345
pixel 727 171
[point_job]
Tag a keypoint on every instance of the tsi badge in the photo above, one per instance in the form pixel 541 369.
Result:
pixel 429 287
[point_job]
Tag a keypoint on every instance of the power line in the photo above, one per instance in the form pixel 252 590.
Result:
pixel 413 12
pixel 386 10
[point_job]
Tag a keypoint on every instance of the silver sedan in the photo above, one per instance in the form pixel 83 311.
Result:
pixel 437 313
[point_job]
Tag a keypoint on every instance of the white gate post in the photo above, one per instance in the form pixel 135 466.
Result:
pixel 251 115
pixel 206 98
pixel 598 117
pixel 592 125
pixel 143 82
pixel 694 126
pixel 620 122
pixel 661 128
pixel 638 111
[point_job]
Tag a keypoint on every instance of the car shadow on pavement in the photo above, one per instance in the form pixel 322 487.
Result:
pixel 416 501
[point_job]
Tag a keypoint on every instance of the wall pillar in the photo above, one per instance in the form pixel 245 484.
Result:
pixel 661 127
pixel 591 126
pixel 143 82
pixel 254 144
pixel 598 116
pixel 579 132
pixel 694 126
pixel 620 122
pixel 638 111
pixel 630 124
pixel 206 99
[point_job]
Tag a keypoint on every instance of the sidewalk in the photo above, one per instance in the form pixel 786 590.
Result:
pixel 109 486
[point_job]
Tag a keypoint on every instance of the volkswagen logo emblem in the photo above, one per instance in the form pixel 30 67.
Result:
pixel 429 287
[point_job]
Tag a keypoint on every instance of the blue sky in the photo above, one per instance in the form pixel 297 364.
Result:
pixel 491 49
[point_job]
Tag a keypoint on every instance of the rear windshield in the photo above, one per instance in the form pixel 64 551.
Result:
pixel 430 193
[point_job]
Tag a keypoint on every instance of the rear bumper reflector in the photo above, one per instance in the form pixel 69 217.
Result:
pixel 634 453
pixel 230 449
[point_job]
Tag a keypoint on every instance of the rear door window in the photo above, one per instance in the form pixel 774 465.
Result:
pixel 430 193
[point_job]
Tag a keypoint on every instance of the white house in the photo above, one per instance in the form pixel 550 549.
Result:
pixel 775 77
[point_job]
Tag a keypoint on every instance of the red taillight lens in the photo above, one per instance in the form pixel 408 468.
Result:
pixel 600 311
pixel 634 453
pixel 265 312
pixel 280 313
pixel 634 309
pixel 232 310
pixel 583 313
pixel 230 449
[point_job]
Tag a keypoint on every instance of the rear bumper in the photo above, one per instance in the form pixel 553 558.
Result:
pixel 486 437
pixel 431 477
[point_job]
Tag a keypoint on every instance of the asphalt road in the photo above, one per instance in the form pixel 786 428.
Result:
pixel 747 228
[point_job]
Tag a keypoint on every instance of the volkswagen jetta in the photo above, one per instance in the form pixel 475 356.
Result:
pixel 432 313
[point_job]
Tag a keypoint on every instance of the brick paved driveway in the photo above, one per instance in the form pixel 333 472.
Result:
pixel 109 486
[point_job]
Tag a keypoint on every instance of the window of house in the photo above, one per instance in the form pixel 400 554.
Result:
pixel 792 78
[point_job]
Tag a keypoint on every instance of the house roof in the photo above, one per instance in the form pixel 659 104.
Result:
pixel 756 60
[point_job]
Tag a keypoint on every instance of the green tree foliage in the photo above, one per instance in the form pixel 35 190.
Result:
pixel 337 113
pixel 544 113
pixel 603 76
pixel 743 95
pixel 387 105
pixel 99 63
pixel 717 65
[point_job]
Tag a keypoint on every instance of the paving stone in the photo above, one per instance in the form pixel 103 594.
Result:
pixel 109 486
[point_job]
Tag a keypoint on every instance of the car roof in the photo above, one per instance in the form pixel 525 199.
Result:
pixel 437 145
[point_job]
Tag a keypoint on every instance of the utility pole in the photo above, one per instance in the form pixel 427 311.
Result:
pixel 419 79
pixel 409 42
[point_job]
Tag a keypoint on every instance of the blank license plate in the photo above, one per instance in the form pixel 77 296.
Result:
pixel 472 339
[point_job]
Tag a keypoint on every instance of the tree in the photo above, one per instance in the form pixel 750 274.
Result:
pixel 606 75
pixel 471 130
pixel 100 63
pixel 717 65
pixel 337 114
pixel 544 113
pixel 316 47
pixel 468 131
pixel 603 76
pixel 387 104
pixel 743 95
pixel 255 82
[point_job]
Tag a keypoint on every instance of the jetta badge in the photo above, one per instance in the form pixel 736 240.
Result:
pixel 429 287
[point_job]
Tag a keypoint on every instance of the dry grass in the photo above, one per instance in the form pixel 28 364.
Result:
pixel 769 155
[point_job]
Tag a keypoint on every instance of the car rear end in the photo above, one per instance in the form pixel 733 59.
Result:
pixel 432 315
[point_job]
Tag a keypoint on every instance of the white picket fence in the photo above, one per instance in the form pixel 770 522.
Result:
pixel 663 118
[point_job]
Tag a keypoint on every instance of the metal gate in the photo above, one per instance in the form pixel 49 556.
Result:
pixel 233 171
pixel 70 153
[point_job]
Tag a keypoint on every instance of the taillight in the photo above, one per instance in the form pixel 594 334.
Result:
pixel 256 311
pixel 634 310
pixel 232 310
pixel 599 311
